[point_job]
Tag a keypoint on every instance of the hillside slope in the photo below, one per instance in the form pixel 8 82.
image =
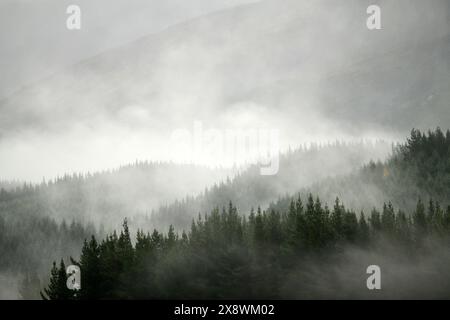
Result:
pixel 419 168
pixel 298 169
pixel 105 198
pixel 304 68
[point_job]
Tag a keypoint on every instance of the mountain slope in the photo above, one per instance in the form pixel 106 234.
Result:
pixel 304 68
pixel 105 198
pixel 418 169
pixel 357 175
pixel 297 169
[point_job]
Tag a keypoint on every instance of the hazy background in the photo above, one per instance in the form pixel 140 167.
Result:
pixel 94 99
pixel 36 43
pixel 139 70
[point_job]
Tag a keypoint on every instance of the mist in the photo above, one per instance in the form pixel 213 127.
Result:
pixel 160 115
pixel 407 276
pixel 261 65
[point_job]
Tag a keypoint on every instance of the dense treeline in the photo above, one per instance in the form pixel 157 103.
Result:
pixel 425 157
pixel 104 198
pixel 28 246
pixel 43 222
pixel 25 243
pixel 361 175
pixel 417 168
pixel 34 214
pixel 262 254
pixel 297 169
pixel 228 255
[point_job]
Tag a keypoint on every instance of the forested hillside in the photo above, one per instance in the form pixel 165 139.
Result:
pixel 135 157
pixel 28 244
pixel 105 198
pixel 58 214
pixel 310 249
pixel 418 168
pixel 40 223
pixel 138 189
pixel 298 169
pixel 268 255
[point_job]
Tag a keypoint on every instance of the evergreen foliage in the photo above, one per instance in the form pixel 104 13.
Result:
pixel 226 255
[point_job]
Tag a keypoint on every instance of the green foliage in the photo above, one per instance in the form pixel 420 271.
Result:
pixel 28 245
pixel 57 289
pixel 418 168
pixel 227 256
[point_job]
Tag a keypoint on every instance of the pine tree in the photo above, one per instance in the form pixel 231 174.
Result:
pixel 375 220
pixel 364 231
pixel 124 246
pixel 171 238
pixel 388 219
pixel 350 226
pixel 420 219
pixel 336 218
pixel 402 227
pixel 57 288
pixel 90 270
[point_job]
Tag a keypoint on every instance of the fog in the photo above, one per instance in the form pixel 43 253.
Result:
pixel 140 102
pixel 8 287
pixel 422 275
pixel 36 43
pixel 301 68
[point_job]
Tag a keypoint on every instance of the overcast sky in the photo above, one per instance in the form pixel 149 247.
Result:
pixel 36 43
pixel 310 70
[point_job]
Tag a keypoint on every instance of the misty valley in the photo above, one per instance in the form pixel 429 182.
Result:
pixel 105 195
pixel 304 245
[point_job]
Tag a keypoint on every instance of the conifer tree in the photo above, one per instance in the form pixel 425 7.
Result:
pixel 420 219
pixel 57 288
pixel 364 231
pixel 90 270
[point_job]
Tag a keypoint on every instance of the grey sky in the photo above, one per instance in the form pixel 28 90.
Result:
pixel 35 42
pixel 310 69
